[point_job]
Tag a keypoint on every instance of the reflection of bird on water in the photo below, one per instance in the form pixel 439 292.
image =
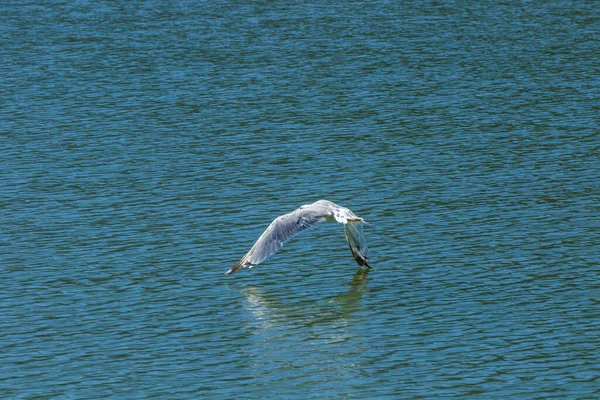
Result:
pixel 358 287
pixel 286 226
pixel 271 310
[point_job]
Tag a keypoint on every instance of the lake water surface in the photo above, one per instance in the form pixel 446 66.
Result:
pixel 144 147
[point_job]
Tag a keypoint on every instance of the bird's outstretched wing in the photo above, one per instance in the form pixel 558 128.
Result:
pixel 280 231
pixel 358 246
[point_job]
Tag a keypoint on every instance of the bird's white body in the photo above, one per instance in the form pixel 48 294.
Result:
pixel 288 225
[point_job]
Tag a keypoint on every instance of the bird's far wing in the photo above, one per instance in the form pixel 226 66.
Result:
pixel 358 246
pixel 280 231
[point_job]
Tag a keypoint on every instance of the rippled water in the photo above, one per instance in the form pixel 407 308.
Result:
pixel 146 145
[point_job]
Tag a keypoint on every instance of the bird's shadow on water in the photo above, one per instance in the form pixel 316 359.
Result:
pixel 279 308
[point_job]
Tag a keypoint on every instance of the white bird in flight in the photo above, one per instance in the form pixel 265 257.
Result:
pixel 288 225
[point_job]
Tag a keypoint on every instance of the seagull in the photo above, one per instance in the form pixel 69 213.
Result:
pixel 307 216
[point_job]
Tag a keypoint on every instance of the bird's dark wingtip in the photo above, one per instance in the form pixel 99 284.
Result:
pixel 234 269
pixel 362 261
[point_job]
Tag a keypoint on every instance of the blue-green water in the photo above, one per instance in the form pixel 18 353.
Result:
pixel 144 146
